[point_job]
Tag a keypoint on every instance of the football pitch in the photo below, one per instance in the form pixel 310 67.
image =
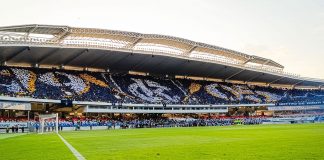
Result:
pixel 298 141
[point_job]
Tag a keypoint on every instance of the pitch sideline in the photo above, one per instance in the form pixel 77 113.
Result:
pixel 72 149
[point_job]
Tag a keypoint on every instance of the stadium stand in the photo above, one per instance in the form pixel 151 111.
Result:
pixel 85 76
pixel 99 87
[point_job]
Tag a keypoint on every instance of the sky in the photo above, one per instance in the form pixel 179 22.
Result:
pixel 290 32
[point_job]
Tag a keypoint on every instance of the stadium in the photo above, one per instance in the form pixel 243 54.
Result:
pixel 88 81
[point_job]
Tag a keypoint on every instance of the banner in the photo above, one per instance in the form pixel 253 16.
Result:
pixel 300 104
pixel 10 124
pixel 15 106
pixel 293 108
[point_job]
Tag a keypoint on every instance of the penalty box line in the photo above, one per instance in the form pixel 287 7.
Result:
pixel 72 149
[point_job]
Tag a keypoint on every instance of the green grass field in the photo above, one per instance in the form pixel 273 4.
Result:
pixel 300 141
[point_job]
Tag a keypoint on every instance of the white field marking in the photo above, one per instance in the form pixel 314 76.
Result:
pixel 72 149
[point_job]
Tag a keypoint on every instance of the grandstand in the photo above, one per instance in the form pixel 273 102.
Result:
pixel 84 71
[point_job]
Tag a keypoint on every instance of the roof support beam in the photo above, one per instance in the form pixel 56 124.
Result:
pixel 254 77
pixel 231 76
pixel 266 62
pixel 211 73
pixel 96 60
pixel 31 30
pixel 297 83
pixel 276 80
pixel 218 71
pixel 190 50
pixel 120 60
pixel 74 57
pixel 14 55
pixel 40 60
pixel 132 45
pixel 133 68
pixel 247 61
pixel 61 36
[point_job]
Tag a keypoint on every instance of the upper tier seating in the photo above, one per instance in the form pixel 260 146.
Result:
pixel 94 86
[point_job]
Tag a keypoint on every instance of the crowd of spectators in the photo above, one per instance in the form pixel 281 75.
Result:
pixel 98 87
pixel 49 125
pixel 145 122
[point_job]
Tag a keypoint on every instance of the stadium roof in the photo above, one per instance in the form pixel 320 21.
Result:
pixel 119 50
